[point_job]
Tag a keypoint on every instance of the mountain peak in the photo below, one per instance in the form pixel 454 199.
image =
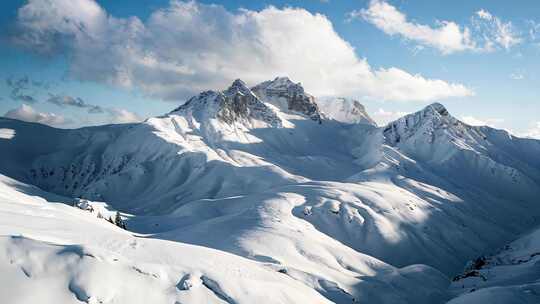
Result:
pixel 288 96
pixel 284 80
pixel 437 107
pixel 426 122
pixel 345 110
pixel 238 86
pixel 236 103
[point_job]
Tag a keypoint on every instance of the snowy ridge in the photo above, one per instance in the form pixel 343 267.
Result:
pixel 425 122
pixel 450 147
pixel 347 211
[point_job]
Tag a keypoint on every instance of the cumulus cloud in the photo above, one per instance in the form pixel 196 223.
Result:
pixel 447 36
pixel 188 47
pixel 488 31
pixel 27 113
pixel 69 101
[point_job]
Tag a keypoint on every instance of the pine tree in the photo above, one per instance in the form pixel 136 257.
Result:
pixel 118 221
pixel 117 218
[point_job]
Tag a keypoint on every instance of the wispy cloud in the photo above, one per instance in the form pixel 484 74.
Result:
pixel 488 32
pixel 484 15
pixel 38 88
pixel 19 89
pixel 69 101
pixel 114 115
pixel 517 76
pixel 153 55
pixel 534 30
pixel 493 32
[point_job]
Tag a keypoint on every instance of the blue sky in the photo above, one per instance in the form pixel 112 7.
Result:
pixel 99 62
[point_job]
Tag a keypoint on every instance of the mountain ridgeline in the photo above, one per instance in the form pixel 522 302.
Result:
pixel 309 187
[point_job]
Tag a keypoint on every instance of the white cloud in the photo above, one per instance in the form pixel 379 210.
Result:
pixel 517 76
pixel 27 113
pixel 493 33
pixel 534 131
pixel 123 116
pixel 488 33
pixel 534 30
pixel 484 14
pixel 189 47
pixel 383 117
pixel 474 121
pixel 447 37
pixel 504 33
pixel 49 19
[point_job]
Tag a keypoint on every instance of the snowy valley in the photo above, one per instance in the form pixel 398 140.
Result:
pixel 270 195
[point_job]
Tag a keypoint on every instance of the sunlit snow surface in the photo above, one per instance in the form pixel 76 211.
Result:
pixel 233 200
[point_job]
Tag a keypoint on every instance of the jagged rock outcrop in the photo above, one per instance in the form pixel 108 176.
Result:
pixel 236 103
pixel 288 96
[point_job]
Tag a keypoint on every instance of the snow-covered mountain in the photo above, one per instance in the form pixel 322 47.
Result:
pixel 288 96
pixel 345 110
pixel 278 187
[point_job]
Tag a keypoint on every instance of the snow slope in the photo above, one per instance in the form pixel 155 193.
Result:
pixel 344 208
pixel 53 253
pixel 511 275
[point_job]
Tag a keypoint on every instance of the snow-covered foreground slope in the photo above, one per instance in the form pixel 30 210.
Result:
pixel 346 210
pixel 54 253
